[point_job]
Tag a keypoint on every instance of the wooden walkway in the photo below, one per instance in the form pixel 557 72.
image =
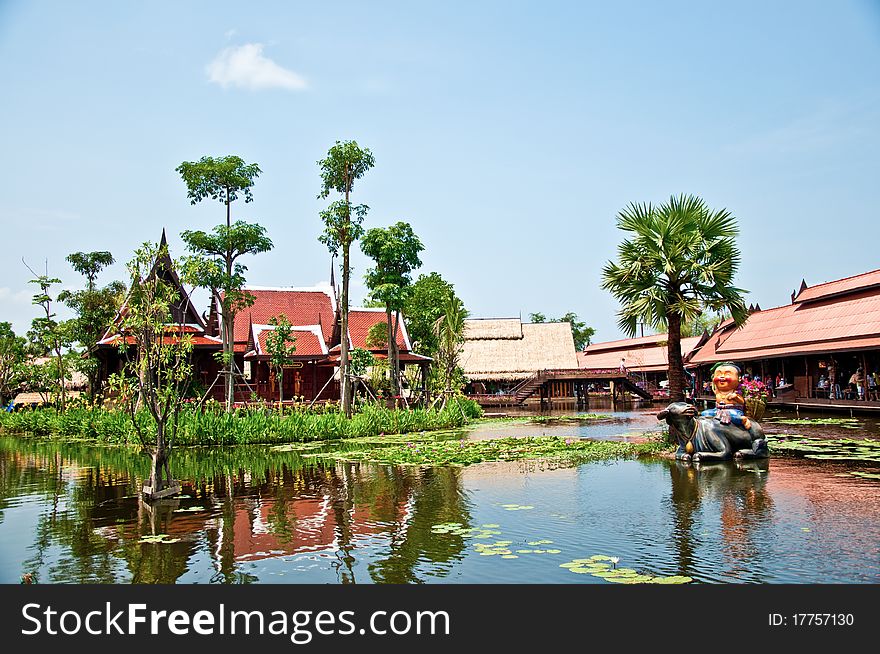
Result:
pixel 622 383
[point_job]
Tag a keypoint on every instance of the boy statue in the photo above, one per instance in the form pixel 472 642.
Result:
pixel 729 404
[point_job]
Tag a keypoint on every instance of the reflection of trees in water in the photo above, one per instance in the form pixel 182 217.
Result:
pixel 92 519
pixel 745 506
pixel 436 497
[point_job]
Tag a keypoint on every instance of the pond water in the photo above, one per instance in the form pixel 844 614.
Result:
pixel 70 513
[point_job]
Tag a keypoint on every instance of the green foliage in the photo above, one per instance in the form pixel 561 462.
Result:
pixel 158 371
pixel 89 264
pixel 95 309
pixel 12 359
pixel 449 330
pixel 361 360
pixel 423 307
pixel 343 225
pixel 464 453
pixel 680 257
pixel 48 336
pixel 345 162
pixel 242 426
pixel 581 334
pixel 281 345
pixel 706 321
pixel 377 336
pixel 395 252
pixel 214 262
pixel 220 178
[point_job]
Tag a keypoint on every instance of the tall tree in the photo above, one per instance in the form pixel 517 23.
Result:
pixel 706 321
pixel 395 251
pixel 281 345
pixel 12 356
pixel 679 257
pixel 422 307
pixel 345 163
pixel 160 372
pixel 95 309
pixel 450 336
pixel 579 330
pixel 47 334
pixel 224 179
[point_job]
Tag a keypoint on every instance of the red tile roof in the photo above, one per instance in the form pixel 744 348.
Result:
pixel 307 343
pixel 301 307
pixel 844 322
pixel 360 321
pixel 839 287
pixel 638 357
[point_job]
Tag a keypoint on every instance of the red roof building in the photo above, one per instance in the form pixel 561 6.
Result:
pixel 835 322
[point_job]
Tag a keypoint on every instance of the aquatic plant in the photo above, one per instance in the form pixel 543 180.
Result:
pixel 464 453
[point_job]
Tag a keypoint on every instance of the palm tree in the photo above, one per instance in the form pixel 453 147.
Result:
pixel 681 257
pixel 449 329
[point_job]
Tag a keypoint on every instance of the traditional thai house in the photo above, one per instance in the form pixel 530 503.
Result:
pixel 829 328
pixel 112 353
pixel 314 315
pixel 646 356
pixel 500 353
pixel 315 318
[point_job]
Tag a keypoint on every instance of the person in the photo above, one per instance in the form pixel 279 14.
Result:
pixel 853 386
pixel 860 383
pixel 729 404
pixel 822 384
pixel 871 384
pixel 623 365
pixel 833 388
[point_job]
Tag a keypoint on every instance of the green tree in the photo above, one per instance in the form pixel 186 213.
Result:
pixel 449 329
pixel 89 264
pixel 680 257
pixel 157 371
pixel 423 306
pixel 281 345
pixel 12 356
pixel 95 309
pixel 224 179
pixel 706 321
pixel 395 251
pixel 345 162
pixel 581 334
pixel 48 335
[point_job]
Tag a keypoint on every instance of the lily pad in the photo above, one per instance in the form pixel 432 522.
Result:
pixel 674 579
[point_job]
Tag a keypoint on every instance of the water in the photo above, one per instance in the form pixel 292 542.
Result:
pixel 70 513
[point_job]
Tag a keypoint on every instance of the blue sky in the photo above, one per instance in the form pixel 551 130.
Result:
pixel 509 134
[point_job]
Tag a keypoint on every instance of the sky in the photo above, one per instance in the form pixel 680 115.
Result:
pixel 508 134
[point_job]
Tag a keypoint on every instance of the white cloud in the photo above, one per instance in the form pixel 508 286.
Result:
pixel 245 67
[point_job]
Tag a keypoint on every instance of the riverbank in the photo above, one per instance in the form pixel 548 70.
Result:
pixel 241 427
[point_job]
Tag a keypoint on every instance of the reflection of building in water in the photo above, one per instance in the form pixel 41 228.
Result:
pixel 314 526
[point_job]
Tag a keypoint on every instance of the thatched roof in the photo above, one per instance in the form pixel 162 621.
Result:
pixel 23 399
pixel 478 329
pixel 540 346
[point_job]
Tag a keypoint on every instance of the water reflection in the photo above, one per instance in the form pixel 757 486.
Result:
pixel 71 513
pixel 739 489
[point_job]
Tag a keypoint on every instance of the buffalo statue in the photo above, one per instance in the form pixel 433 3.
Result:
pixel 707 439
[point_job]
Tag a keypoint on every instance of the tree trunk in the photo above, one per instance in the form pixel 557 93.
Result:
pixel 229 349
pixel 344 394
pixel 392 364
pixel 160 484
pixel 280 388
pixel 676 364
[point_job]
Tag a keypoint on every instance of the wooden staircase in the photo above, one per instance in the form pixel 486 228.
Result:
pixel 526 388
